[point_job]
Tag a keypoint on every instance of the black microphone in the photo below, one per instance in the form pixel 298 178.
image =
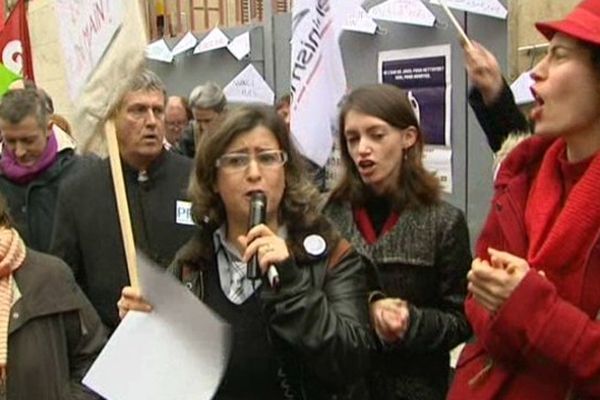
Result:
pixel 258 215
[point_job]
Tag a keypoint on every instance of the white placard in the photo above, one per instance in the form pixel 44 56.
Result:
pixel 86 29
pixel 215 39
pixel 178 351
pixel 359 21
pixel 188 41
pixel 521 88
pixel 240 45
pixel 249 87
pixel 403 11
pixel 183 213
pixel 491 8
pixel 439 161
pixel 159 51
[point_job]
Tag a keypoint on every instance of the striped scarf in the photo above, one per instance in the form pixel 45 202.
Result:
pixel 12 254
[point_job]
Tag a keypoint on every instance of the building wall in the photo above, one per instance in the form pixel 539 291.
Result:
pixel 522 32
pixel 49 64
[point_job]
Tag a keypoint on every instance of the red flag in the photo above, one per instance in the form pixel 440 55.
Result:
pixel 15 47
pixel 1 14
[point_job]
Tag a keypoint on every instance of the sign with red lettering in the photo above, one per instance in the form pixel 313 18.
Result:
pixel 86 30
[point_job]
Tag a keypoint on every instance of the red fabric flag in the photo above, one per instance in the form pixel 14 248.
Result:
pixel 1 14
pixel 15 47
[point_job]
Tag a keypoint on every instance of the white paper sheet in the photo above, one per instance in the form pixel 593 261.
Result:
pixel 188 41
pixel 249 87
pixel 215 39
pixel 159 51
pixel 240 45
pixel 179 351
pixel 491 8
pixel 86 30
pixel 359 21
pixel 521 88
pixel 439 161
pixel 403 11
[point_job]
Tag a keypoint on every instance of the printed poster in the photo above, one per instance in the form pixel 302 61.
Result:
pixel 425 73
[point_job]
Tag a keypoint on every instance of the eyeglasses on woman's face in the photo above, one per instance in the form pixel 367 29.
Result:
pixel 237 162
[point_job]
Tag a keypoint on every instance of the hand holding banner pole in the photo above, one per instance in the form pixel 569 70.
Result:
pixel 120 56
pixel 122 204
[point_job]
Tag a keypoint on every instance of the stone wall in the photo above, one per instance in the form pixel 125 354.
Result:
pixel 523 14
pixel 48 62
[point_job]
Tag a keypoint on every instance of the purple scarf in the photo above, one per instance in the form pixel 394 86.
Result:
pixel 19 174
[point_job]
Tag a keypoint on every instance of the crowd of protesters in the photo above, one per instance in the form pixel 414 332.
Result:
pixel 376 281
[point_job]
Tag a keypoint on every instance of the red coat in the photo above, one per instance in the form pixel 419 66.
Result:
pixel 538 345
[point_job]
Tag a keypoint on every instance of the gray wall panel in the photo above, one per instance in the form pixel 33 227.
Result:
pixel 219 66
pixel 491 33
pixel 472 162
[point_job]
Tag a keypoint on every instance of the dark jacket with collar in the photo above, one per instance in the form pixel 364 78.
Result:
pixel 423 259
pixel 32 205
pixel 500 118
pixel 87 233
pixel 54 333
pixel 317 321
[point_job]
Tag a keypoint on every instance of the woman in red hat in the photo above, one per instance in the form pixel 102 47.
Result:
pixel 534 300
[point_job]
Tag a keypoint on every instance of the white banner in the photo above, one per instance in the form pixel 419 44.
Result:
pixel 86 29
pixel 411 12
pixel 106 84
pixel 491 8
pixel 318 80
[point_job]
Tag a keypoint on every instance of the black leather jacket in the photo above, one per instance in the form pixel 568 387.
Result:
pixel 318 319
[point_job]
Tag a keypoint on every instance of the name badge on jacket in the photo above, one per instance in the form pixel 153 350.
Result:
pixel 183 213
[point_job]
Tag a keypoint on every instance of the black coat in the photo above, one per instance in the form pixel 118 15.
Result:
pixel 54 333
pixel 499 119
pixel 32 205
pixel 424 260
pixel 87 234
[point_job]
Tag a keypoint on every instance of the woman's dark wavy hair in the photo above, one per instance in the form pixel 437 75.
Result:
pixel 415 186
pixel 300 198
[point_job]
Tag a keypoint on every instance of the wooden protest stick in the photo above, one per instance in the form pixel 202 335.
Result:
pixel 465 39
pixel 123 58
pixel 122 204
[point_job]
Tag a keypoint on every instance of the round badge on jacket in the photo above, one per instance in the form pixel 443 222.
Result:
pixel 314 245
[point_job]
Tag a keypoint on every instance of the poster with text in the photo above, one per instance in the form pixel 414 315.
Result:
pixel 424 72
pixel 86 30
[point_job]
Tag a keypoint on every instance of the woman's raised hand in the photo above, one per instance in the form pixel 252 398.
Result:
pixel 484 72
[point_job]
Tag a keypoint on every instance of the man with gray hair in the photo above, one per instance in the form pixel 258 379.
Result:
pixel 87 234
pixel 36 160
pixel 207 102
